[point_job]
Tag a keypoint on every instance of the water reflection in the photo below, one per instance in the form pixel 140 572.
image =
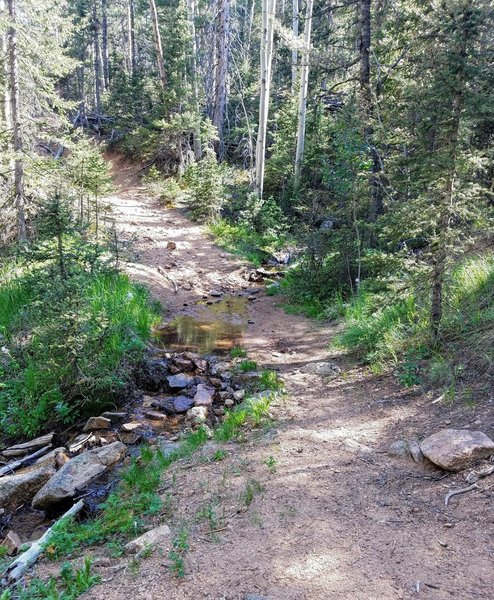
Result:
pixel 219 327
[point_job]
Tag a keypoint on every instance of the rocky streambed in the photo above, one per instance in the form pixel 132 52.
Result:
pixel 178 391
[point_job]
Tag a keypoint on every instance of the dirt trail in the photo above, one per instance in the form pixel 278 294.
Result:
pixel 318 510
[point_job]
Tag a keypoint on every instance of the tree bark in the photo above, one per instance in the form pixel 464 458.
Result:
pixel 97 63
pixel 266 57
pixel 220 96
pixel 295 23
pixel 15 118
pixel 104 43
pixel 304 84
pixel 367 109
pixel 157 44
pixel 131 38
pixel 191 10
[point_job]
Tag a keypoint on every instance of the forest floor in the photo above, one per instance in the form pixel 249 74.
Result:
pixel 316 509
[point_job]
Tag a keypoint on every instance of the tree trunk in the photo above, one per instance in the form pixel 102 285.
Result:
pixel 131 38
pixel 367 109
pixel 268 12
pixel 447 201
pixel 157 44
pixel 191 10
pixel 304 83
pixel 220 96
pixel 104 43
pixel 15 119
pixel 295 20
pixel 97 63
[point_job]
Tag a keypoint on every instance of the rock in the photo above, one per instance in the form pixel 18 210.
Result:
pixel 156 538
pixel 52 456
pixel 456 449
pixel 28 447
pixel 97 423
pixel 174 370
pixel 12 542
pixel 165 404
pixel 204 395
pixel 154 414
pixel 216 382
pixel 171 246
pixel 415 451
pixel 324 369
pixel 326 225
pixel 152 374
pixel 219 368
pixel 182 404
pixel 130 437
pixel 183 364
pixel 215 293
pixel 131 426
pixel 148 401
pixel 20 488
pixel 254 597
pixel 77 473
pixel 200 364
pixel 166 446
pixel 398 449
pixel 179 382
pixel 229 403
pixel 198 414
pixel 115 417
pixel 239 395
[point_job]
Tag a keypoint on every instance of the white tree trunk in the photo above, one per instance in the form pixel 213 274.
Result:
pixel 15 120
pixel 131 38
pixel 266 58
pixel 220 95
pixel 191 10
pixel 304 83
pixel 295 37
pixel 157 44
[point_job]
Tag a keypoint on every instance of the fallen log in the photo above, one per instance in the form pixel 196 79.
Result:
pixel 17 569
pixel 11 467
pixel 21 449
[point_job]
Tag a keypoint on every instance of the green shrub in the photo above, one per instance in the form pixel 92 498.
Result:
pixel 71 345
pixel 206 191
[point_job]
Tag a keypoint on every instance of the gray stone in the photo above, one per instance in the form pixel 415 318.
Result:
pixel 415 451
pixel 166 446
pixel 156 538
pixel 154 414
pixel 204 395
pixel 183 364
pixel 239 395
pixel 20 488
pixel 198 414
pixel 77 473
pixel 325 369
pixel 12 542
pixel 398 449
pixel 229 403
pixel 179 382
pixel 51 457
pixel 96 423
pixel 182 404
pixel 115 417
pixel 131 426
pixel 457 449
pixel 254 597
pixel 165 404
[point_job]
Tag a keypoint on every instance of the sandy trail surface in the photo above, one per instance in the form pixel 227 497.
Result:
pixel 317 508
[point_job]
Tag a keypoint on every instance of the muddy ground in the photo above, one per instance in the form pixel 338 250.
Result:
pixel 315 508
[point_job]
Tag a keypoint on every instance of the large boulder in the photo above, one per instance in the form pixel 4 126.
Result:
pixel 21 487
pixel 153 373
pixel 456 449
pixel 77 473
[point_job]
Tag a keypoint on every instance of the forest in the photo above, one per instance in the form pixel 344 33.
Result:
pixel 343 149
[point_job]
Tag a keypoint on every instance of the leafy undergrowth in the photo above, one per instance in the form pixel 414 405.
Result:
pixel 385 329
pixel 70 344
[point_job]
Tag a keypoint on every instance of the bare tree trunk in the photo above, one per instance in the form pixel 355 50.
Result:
pixel 220 96
pixel 304 84
pixel 97 63
pixel 104 43
pixel 157 44
pixel 295 22
pixel 16 123
pixel 268 13
pixel 191 9
pixel 131 38
pixel 367 108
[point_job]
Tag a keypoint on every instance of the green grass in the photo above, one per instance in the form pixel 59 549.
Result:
pixel 71 345
pixel 245 366
pixel 238 352
pixel 243 241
